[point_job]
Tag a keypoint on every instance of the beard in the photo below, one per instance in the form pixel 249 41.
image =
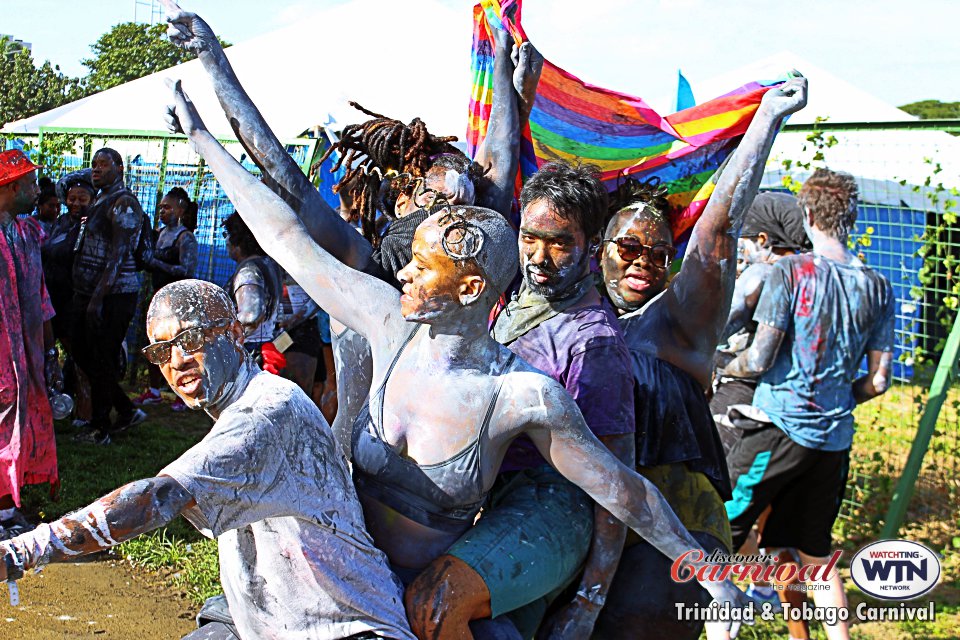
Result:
pixel 560 282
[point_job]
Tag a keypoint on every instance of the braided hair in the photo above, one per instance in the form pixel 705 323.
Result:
pixel 374 150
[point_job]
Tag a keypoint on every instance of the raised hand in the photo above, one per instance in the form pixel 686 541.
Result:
pixel 526 76
pixel 182 116
pixel 788 98
pixel 188 30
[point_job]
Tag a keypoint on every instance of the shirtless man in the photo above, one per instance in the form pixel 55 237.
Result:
pixel 423 468
pixel 268 481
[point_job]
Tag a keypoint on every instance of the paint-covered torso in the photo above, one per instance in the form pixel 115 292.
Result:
pixel 423 469
pixel 295 558
pixel 58 252
pixel 263 274
pixel 170 240
pixel 832 314
pixel 27 445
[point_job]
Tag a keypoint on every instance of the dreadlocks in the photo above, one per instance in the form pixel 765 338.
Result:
pixel 378 148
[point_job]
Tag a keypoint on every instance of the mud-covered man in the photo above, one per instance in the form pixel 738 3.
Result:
pixel 268 481
pixel 540 528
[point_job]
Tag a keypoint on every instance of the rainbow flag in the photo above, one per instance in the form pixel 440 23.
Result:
pixel 621 134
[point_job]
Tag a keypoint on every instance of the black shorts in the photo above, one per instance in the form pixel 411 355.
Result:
pixel 803 486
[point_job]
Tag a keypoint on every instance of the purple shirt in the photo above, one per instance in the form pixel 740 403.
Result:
pixel 582 348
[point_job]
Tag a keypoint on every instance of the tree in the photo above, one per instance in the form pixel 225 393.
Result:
pixel 131 50
pixel 933 109
pixel 28 90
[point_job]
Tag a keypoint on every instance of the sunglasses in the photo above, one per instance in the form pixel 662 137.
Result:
pixel 189 341
pixel 630 249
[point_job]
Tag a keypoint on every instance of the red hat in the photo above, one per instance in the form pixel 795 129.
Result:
pixel 14 164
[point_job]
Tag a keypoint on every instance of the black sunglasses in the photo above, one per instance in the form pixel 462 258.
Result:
pixel 630 249
pixel 189 341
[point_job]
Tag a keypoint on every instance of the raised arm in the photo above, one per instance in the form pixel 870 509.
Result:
pixel 557 429
pixel 359 301
pixel 132 509
pixel 709 264
pixel 280 172
pixel 499 153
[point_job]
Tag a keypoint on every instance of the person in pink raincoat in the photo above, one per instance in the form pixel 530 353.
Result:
pixel 28 356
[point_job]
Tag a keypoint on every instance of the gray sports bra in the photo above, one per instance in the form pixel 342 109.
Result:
pixel 444 496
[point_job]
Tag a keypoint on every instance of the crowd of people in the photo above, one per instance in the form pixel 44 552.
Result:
pixel 531 423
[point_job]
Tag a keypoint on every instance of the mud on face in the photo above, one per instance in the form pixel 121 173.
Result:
pixel 204 376
pixel 632 284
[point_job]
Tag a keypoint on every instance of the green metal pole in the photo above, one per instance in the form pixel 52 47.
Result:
pixel 162 178
pixel 946 369
pixel 87 151
pixel 198 181
pixel 43 160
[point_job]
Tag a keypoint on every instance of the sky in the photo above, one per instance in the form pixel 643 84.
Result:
pixel 899 51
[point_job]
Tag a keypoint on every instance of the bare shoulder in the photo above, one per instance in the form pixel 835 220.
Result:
pixel 534 398
pixel 753 277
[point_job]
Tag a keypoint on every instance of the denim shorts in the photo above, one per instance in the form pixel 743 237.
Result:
pixel 531 540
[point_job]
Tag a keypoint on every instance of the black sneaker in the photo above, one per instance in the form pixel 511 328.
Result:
pixel 135 418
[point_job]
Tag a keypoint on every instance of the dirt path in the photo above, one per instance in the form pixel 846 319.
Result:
pixel 100 599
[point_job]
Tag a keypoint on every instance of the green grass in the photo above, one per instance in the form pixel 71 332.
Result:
pixel 193 567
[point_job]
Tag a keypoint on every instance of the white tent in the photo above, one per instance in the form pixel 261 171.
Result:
pixel 302 76
pixel 879 159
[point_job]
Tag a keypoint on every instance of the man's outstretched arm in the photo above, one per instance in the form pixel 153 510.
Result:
pixel 281 173
pixel 132 509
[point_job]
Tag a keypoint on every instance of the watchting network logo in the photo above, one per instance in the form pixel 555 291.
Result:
pixel 895 569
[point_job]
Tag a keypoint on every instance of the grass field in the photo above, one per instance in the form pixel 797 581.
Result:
pixel 885 432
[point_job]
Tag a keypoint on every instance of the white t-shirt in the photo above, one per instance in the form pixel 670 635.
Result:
pixel 272 486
